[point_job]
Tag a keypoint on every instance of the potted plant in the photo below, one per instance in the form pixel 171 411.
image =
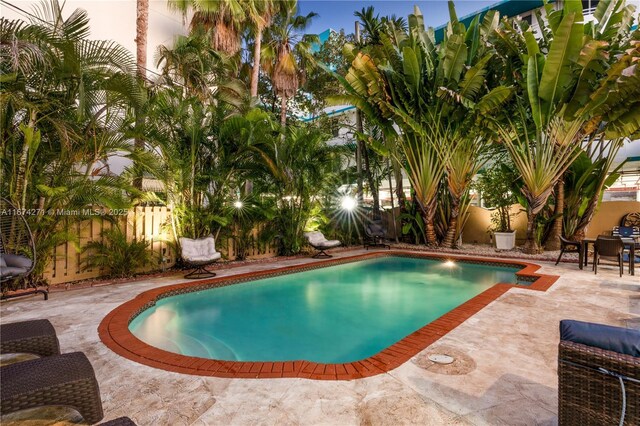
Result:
pixel 495 186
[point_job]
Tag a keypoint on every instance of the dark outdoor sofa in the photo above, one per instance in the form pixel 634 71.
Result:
pixel 598 374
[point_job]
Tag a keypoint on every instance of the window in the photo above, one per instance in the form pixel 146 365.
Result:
pixel 589 6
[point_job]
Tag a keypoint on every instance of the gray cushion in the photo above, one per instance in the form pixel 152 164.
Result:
pixel 3 264
pixel 11 271
pixel 616 339
pixel 17 261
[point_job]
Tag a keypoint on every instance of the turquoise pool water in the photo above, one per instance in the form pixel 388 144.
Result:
pixel 335 314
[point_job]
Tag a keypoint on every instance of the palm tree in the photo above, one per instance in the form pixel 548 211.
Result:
pixel 260 13
pixel 64 112
pixel 223 18
pixel 142 26
pixel 296 170
pixel 434 94
pixel 567 97
pixel 286 53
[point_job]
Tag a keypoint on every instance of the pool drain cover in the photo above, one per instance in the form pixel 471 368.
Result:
pixel 441 359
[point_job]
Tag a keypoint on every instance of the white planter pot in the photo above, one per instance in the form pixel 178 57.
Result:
pixel 505 240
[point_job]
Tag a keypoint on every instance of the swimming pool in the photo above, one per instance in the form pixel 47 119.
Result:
pixel 337 314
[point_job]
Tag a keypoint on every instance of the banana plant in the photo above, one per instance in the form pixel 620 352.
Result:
pixel 421 93
pixel 587 177
pixel 578 79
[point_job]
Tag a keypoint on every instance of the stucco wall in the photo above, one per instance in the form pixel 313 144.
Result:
pixel 476 229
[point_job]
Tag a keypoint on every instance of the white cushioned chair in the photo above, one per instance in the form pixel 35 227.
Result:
pixel 318 241
pixel 199 253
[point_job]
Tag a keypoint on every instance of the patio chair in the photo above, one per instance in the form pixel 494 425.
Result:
pixel 375 232
pixel 609 248
pixel 598 375
pixel 67 380
pixel 318 241
pixel 568 246
pixel 199 253
pixel 17 249
pixel 36 337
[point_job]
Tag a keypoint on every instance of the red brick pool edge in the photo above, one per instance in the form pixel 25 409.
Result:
pixel 114 328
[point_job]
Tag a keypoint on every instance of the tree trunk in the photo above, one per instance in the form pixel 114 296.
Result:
pixel 450 238
pixel 372 183
pixel 531 245
pixel 397 175
pixel 142 26
pixel 428 214
pixel 553 243
pixel 393 209
pixel 283 110
pixel 255 72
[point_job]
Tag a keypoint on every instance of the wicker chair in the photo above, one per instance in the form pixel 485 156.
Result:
pixel 375 232
pixel 17 250
pixel 610 248
pixel 598 375
pixel 199 253
pixel 568 246
pixel 318 241
pixel 67 380
pixel 36 337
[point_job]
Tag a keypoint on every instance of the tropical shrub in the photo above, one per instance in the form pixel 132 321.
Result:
pixel 495 186
pixel 566 83
pixel 66 105
pixel 115 253
pixel 298 169
pixel 438 95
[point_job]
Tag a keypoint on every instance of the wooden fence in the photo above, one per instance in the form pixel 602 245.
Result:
pixel 150 224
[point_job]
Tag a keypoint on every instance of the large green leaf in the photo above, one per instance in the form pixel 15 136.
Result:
pixel 455 58
pixel 494 99
pixel 411 68
pixel 473 79
pixel 533 74
pixel 563 53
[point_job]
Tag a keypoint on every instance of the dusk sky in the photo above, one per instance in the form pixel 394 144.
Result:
pixel 337 14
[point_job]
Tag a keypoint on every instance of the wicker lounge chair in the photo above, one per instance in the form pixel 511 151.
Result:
pixel 610 248
pixel 67 380
pixel 199 253
pixel 375 232
pixel 320 243
pixel 598 375
pixel 36 337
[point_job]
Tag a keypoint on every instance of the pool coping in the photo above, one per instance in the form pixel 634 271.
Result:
pixel 114 328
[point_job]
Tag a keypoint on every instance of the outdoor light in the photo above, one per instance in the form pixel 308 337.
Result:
pixel 348 203
pixel 238 204
pixel 450 263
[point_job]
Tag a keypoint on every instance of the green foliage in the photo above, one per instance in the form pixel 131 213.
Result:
pixel 439 97
pixel 570 81
pixel 495 186
pixel 585 182
pixel 66 106
pixel 296 171
pixel 116 254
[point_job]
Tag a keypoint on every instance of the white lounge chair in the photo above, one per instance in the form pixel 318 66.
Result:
pixel 199 253
pixel 320 243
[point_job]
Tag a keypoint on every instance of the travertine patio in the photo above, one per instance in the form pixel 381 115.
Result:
pixel 505 369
